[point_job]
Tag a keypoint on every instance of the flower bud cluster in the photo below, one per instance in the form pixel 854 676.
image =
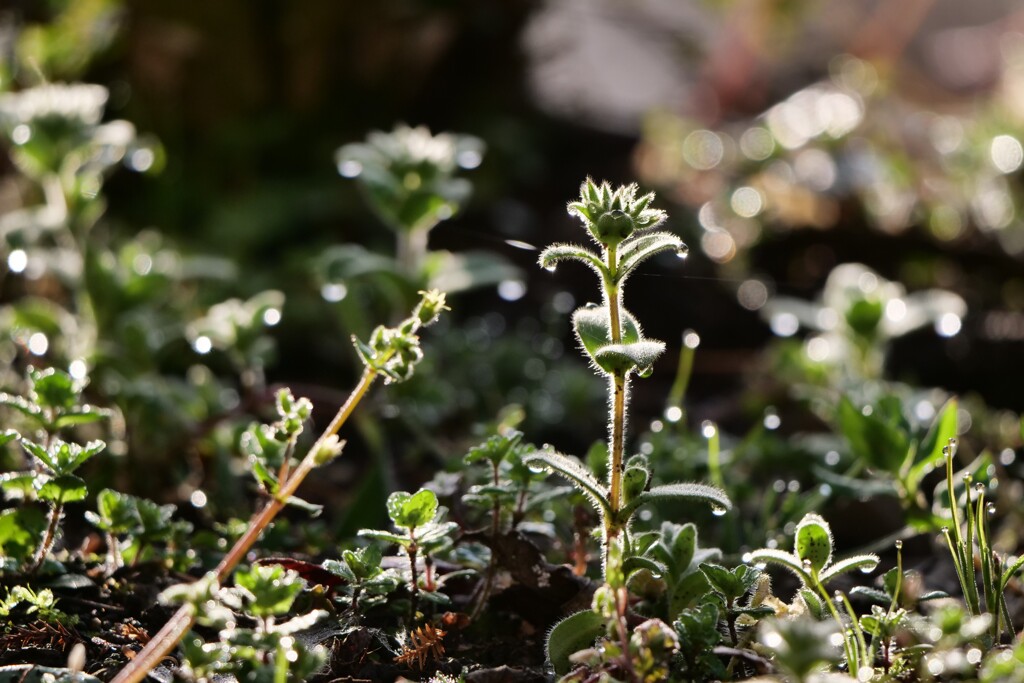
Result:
pixel 612 215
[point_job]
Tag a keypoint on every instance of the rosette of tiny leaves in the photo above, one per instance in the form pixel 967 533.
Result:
pixel 408 174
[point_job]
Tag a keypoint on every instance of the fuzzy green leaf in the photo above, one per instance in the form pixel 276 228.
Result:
pixel 271 589
pixel 813 603
pixel 813 541
pixel 683 548
pixel 641 247
pixel 593 328
pixel 550 257
pixel 865 563
pixel 687 592
pixel 412 510
pixel 572 634
pixel 781 557
pixel 575 472
pixel 634 480
pixel 64 489
pixel 625 357
pixel 635 563
pixel 709 494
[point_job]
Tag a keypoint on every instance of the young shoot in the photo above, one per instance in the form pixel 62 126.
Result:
pixel 621 225
pixel 420 533
pixel 812 563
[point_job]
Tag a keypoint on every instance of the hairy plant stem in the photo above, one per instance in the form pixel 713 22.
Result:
pixel 618 403
pixel 179 624
pixel 53 521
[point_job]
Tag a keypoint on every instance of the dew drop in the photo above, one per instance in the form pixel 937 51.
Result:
pixel 551 267
pixel 682 251
pixel 945 530
pixel 17 261
pixel 202 344
pixel 952 442
pixel 990 508
pixel 945 451
pixel 591 306
pixel 717 510
pixel 866 569
pixel 979 487
pixel 349 168
pixel 899 545
pixel 537 468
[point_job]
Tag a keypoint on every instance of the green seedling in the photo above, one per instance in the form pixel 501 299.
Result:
pixel 134 527
pixel 858 315
pixel 52 403
pixel 505 495
pixel 697 628
pixel 238 329
pixel 729 587
pixel 269 652
pixel 621 224
pixel 408 176
pixel 40 603
pixel 53 482
pixel 812 563
pixel 968 530
pixel 365 582
pixel 420 532
pixel 666 568
pixel 392 353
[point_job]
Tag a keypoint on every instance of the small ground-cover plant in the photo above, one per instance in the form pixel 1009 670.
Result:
pixel 392 353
